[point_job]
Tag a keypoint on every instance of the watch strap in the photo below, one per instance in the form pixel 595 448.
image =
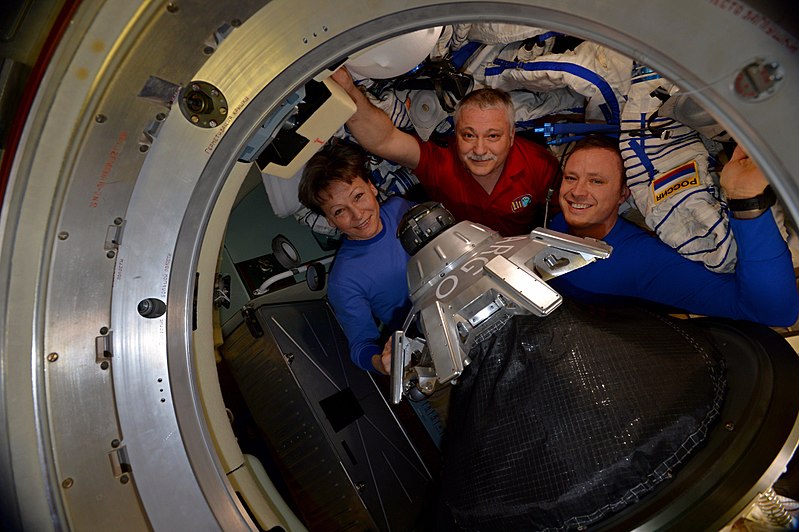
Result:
pixel 758 203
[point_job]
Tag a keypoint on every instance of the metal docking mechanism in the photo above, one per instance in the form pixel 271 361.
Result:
pixel 465 282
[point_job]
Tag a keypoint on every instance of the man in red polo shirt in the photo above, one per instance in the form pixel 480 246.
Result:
pixel 487 176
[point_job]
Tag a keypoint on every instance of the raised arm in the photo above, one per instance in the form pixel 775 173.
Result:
pixel 763 287
pixel 373 129
pixel 764 272
pixel 741 178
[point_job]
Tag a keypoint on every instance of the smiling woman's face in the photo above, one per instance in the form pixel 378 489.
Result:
pixel 353 209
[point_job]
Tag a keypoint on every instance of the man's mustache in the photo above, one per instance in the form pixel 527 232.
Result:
pixel 487 157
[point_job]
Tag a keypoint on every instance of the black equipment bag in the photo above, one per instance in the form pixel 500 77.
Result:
pixel 559 422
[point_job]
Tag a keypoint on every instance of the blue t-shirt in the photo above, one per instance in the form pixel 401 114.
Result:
pixel 368 281
pixel 762 288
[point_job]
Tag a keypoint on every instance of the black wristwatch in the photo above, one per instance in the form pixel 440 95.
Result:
pixel 752 207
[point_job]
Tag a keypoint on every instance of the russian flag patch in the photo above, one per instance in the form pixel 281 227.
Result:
pixel 675 181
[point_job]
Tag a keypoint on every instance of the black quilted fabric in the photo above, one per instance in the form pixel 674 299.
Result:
pixel 560 421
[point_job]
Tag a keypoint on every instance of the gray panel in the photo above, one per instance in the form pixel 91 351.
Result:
pixel 313 474
pixel 335 433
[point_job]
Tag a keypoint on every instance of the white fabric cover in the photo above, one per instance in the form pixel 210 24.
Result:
pixel 532 105
pixel 395 56
pixel 500 33
pixel 282 194
pixel 611 67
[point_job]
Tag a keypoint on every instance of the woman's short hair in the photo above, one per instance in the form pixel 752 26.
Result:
pixel 338 161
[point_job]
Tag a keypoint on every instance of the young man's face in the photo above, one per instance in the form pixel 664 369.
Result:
pixel 484 140
pixel 353 209
pixel 591 191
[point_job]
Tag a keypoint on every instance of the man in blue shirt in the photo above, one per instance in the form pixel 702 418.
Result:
pixel 367 280
pixel 762 288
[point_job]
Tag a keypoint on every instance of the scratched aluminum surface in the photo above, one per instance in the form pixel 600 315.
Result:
pixel 74 175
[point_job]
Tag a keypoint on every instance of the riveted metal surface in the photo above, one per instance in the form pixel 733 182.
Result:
pixel 58 293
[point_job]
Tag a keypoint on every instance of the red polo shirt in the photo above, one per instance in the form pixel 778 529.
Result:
pixel 517 198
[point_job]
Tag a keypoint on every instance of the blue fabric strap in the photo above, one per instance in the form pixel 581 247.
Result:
pixel 612 113
pixel 639 151
pixel 464 53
